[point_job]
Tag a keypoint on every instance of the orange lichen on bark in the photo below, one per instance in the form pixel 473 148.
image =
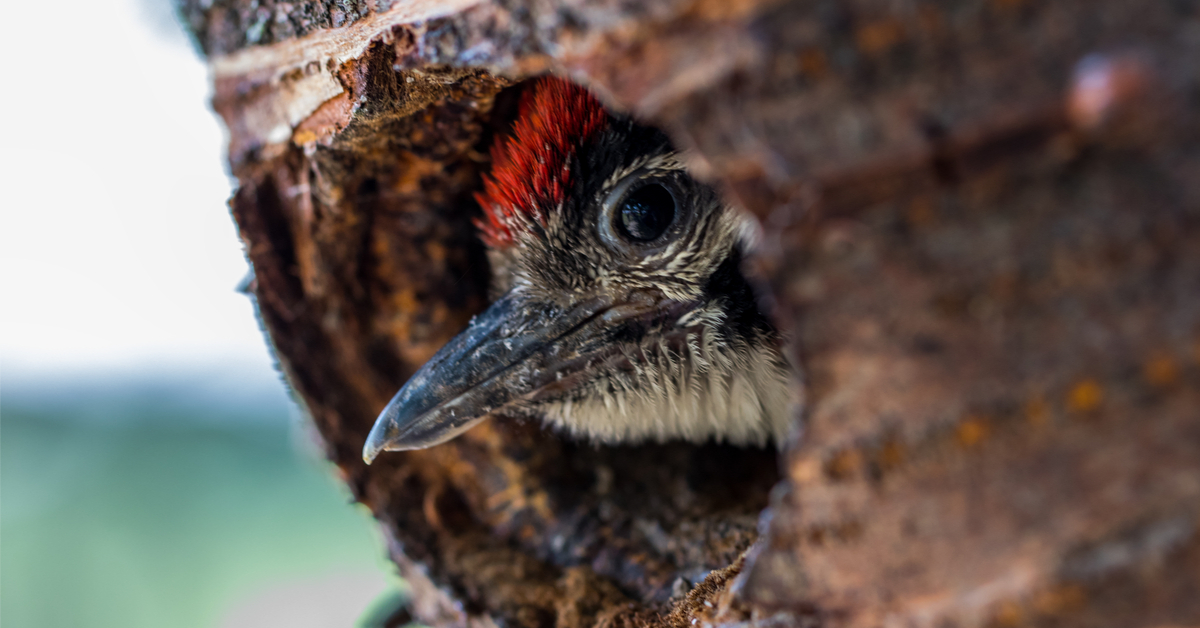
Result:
pixel 1085 396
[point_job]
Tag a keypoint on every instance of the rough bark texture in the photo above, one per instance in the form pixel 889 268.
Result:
pixel 982 231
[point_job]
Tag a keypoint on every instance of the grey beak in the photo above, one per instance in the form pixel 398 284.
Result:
pixel 518 349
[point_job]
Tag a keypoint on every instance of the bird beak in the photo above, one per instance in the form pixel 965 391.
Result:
pixel 517 350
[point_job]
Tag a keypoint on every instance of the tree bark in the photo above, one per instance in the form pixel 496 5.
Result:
pixel 981 232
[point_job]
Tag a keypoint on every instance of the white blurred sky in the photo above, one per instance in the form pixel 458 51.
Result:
pixel 117 251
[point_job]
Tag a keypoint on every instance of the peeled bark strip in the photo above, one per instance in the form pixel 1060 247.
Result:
pixel 981 229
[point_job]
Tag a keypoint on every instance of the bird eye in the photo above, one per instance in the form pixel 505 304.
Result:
pixel 646 213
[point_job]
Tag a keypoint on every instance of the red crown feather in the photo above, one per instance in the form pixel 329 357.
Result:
pixel 531 168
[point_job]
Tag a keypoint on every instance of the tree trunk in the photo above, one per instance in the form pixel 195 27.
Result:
pixel 982 234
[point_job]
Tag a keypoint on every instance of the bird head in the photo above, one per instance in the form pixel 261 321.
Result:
pixel 621 312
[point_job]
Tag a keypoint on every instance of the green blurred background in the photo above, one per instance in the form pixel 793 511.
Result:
pixel 152 470
pixel 128 504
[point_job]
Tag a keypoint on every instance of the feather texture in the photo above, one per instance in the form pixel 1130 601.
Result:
pixel 531 168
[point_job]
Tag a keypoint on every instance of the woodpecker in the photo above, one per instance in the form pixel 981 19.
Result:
pixel 621 313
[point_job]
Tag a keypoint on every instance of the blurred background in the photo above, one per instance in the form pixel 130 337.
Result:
pixel 153 471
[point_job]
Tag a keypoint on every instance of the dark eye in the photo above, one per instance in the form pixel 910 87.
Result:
pixel 646 213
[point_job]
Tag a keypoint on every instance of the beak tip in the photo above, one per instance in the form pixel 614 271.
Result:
pixel 377 440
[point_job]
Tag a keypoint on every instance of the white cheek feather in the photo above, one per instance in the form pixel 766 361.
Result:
pixel 711 391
